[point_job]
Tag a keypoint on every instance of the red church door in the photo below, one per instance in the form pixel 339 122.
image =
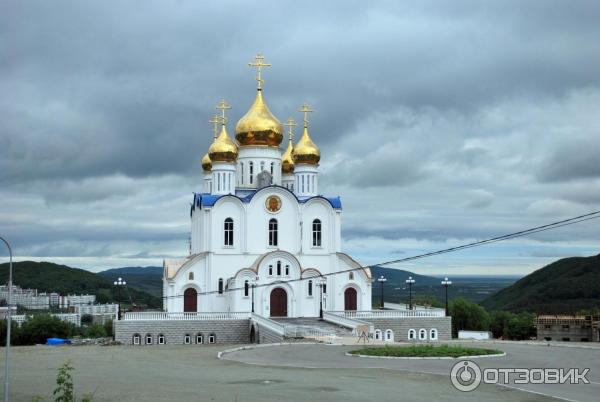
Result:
pixel 278 303
pixel 350 299
pixel 190 300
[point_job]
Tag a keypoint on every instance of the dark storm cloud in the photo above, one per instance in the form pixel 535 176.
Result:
pixel 460 110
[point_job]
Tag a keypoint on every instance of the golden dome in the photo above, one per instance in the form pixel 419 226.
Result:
pixel 287 160
pixel 206 163
pixel 223 149
pixel 306 151
pixel 259 126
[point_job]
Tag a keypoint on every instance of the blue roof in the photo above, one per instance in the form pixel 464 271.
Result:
pixel 209 200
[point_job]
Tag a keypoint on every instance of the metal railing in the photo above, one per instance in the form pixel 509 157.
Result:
pixel 389 313
pixel 164 316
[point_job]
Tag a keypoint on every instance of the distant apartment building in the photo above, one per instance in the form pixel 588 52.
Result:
pixel 568 328
pixel 76 300
pixel 74 319
pixel 28 298
pixel 107 310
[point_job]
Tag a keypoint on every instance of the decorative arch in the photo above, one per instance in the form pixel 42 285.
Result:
pixel 351 296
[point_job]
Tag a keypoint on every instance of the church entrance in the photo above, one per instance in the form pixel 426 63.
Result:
pixel 350 299
pixel 190 300
pixel 279 303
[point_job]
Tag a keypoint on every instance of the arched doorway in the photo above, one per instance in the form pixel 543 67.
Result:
pixel 278 303
pixel 190 300
pixel 350 299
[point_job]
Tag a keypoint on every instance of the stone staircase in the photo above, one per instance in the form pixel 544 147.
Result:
pixel 314 323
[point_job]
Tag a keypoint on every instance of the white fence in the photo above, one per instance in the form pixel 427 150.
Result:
pixel 389 313
pixel 162 316
pixel 307 331
pixel 347 322
pixel 274 326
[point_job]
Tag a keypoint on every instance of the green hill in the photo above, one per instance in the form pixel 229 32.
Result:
pixel 563 287
pixel 49 277
pixel 148 279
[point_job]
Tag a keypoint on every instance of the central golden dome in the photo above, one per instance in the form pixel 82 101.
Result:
pixel 259 126
pixel 223 149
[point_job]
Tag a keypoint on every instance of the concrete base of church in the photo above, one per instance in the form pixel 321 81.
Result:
pixel 412 329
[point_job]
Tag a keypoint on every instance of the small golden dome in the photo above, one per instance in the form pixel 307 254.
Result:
pixel 223 149
pixel 306 151
pixel 206 163
pixel 287 160
pixel 259 126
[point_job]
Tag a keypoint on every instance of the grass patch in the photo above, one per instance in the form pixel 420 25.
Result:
pixel 424 351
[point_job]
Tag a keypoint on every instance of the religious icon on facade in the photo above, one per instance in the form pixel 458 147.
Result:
pixel 273 204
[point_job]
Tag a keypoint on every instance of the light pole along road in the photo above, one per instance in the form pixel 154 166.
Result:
pixel 8 319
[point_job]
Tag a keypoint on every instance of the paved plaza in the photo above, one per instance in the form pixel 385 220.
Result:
pixel 290 372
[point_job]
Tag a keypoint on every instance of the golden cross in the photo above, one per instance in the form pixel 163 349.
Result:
pixel 223 106
pixel 291 123
pixel 306 110
pixel 259 65
pixel 215 122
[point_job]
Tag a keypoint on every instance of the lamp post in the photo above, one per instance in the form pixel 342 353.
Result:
pixel 118 283
pixel 410 282
pixel 8 319
pixel 446 283
pixel 253 286
pixel 321 283
pixel 381 280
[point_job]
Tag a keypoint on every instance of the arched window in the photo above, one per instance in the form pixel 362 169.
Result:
pixel 246 288
pixel 272 169
pixel 242 173
pixel 422 334
pixel 270 269
pixel 389 335
pixel 137 339
pixel 433 334
pixel 351 275
pixel 262 166
pixel 161 339
pixel 199 338
pixel 220 286
pixel 310 287
pixel 273 232
pixel 212 338
pixel 287 269
pixel 187 339
pixel 316 233
pixel 148 339
pixel 377 334
pixel 228 232
pixel 412 334
pixel 251 172
pixel 278 268
pixel 191 276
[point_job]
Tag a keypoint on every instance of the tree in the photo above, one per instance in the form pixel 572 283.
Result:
pixel 87 319
pixel 39 328
pixel 467 315
pixel 15 333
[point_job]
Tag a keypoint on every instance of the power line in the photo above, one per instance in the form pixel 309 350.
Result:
pixel 521 233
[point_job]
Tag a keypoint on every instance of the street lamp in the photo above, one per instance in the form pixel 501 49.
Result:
pixel 321 283
pixel 8 319
pixel 446 283
pixel 410 282
pixel 118 283
pixel 381 280
pixel 253 286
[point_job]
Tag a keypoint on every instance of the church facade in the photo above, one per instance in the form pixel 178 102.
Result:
pixel 263 237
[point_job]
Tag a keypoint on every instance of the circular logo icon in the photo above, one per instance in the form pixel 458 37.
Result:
pixel 273 204
pixel 465 375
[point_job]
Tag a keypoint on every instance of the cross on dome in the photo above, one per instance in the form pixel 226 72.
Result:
pixel 215 122
pixel 306 110
pixel 223 106
pixel 259 58
pixel 290 124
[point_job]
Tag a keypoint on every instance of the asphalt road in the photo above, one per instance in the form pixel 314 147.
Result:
pixel 518 355
pixel 194 373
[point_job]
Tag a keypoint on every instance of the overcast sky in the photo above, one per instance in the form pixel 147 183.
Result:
pixel 439 123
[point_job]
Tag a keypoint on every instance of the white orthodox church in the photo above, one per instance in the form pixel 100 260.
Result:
pixel 263 236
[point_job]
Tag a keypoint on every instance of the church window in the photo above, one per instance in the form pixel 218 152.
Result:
pixel 302 183
pixel 412 334
pixel 220 286
pixel 270 269
pixel 351 275
pixel 137 339
pixel 310 287
pixel 161 339
pixel 389 335
pixel 251 172
pixel 212 338
pixel 262 166
pixel 199 339
pixel 246 288
pixel 228 232
pixel 287 269
pixel 433 334
pixel 148 339
pixel 377 334
pixel 324 288
pixel 422 334
pixel 316 233
pixel 278 268
pixel 273 232
pixel 242 171
pixel 272 168
pixel 191 276
pixel 187 339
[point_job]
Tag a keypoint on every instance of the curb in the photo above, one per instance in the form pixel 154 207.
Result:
pixel 426 358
